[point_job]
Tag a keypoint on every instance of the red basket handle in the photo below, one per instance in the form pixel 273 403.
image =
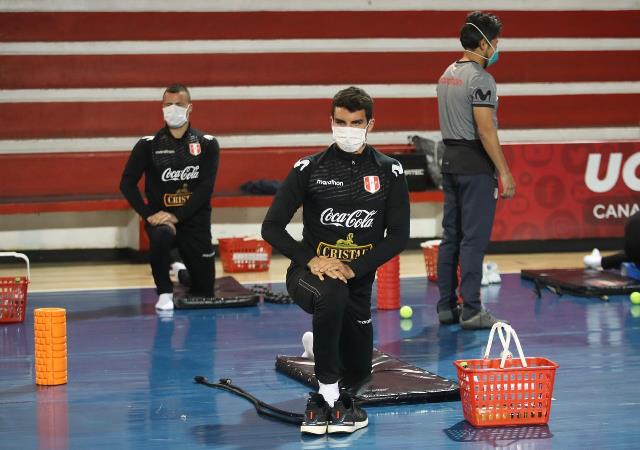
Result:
pixel 21 256
pixel 506 342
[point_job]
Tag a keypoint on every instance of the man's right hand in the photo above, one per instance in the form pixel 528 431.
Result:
pixel 508 185
pixel 332 267
pixel 162 217
pixel 320 264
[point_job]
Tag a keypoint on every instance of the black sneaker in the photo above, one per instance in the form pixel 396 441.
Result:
pixel 480 321
pixel 346 416
pixel 449 316
pixel 316 416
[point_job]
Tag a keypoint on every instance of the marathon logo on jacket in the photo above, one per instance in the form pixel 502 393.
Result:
pixel 372 184
pixel 178 199
pixel 360 218
pixel 344 249
pixel 188 173
pixel 195 149
pixel 330 183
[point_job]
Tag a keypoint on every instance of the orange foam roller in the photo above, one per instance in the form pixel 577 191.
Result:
pixel 50 329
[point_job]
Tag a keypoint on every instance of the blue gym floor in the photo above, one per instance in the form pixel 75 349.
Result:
pixel 131 374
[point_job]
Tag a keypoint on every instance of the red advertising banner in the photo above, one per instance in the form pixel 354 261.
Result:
pixel 569 191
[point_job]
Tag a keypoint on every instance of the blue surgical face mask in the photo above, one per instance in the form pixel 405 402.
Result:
pixel 494 57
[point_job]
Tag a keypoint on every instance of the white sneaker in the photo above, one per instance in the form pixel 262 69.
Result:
pixel 490 274
pixel 493 274
pixel 175 268
pixel 593 260
pixel 165 302
pixel 485 280
pixel 307 344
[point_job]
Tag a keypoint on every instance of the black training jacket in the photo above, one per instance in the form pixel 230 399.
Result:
pixel 179 175
pixel 348 201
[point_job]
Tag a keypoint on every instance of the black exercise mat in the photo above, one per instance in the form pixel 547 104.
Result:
pixel 392 381
pixel 228 294
pixel 582 282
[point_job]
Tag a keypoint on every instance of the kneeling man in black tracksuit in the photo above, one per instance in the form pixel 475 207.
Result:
pixel 355 217
pixel 179 164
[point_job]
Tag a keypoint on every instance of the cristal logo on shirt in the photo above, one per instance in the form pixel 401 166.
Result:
pixel 360 218
pixel 344 249
pixel 179 198
pixel 188 173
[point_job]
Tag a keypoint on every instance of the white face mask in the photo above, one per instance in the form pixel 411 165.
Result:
pixel 175 115
pixel 349 139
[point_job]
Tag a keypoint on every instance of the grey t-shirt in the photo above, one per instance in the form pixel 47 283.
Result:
pixel 463 86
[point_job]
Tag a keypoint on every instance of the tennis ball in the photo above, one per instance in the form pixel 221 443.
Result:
pixel 463 364
pixel 406 312
pixel 635 298
pixel 406 324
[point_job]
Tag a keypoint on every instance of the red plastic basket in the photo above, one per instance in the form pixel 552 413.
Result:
pixel 430 251
pixel 509 396
pixel 244 254
pixel 13 293
pixel 431 261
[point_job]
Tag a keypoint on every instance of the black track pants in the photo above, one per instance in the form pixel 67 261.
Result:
pixel 342 329
pixel 195 250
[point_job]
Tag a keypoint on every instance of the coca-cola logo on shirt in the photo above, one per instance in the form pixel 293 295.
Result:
pixel 188 173
pixel 360 218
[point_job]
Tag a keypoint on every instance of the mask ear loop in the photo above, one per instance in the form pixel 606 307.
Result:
pixel 485 38
pixel 366 133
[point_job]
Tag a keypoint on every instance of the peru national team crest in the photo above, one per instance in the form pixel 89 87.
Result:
pixel 194 149
pixel 371 184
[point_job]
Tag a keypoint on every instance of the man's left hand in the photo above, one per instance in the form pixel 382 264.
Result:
pixel 340 272
pixel 331 267
pixel 162 217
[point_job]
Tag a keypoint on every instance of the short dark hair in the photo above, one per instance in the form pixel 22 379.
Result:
pixel 353 99
pixel 176 88
pixel 490 25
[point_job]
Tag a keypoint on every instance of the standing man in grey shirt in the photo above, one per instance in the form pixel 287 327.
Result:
pixel 467 106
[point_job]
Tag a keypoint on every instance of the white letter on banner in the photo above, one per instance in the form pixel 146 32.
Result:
pixel 629 172
pixel 609 181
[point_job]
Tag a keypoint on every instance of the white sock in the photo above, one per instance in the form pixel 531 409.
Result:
pixel 307 344
pixel 165 302
pixel 176 267
pixel 593 260
pixel 330 392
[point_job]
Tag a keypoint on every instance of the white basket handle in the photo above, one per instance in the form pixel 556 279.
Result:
pixel 21 256
pixel 506 342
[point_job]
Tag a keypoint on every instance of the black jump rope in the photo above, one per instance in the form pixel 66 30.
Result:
pixel 262 408
pixel 225 384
